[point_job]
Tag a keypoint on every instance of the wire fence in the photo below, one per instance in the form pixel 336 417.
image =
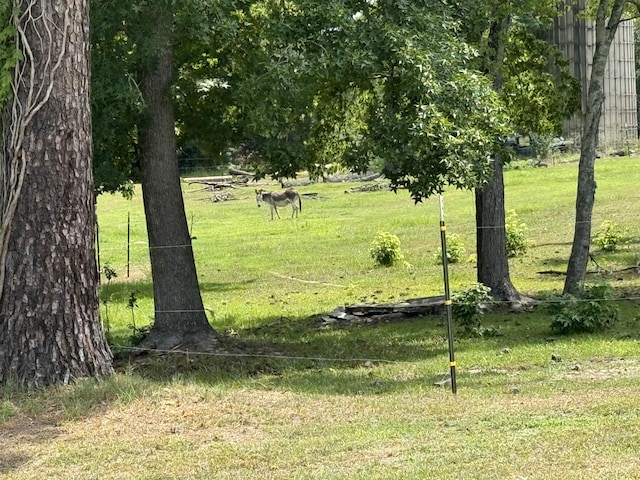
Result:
pixel 274 356
pixel 132 254
pixel 135 249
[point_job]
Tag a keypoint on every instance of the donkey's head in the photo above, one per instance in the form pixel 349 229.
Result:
pixel 259 196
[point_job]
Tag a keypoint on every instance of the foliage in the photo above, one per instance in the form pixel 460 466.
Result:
pixel 468 308
pixel 132 304
pixel 542 145
pixel 517 243
pixel 534 79
pixel 351 85
pixel 10 54
pixel 385 249
pixel 110 274
pixel 455 249
pixel 294 87
pixel 116 102
pixel 590 311
pixel 609 236
pixel 138 334
pixel 539 90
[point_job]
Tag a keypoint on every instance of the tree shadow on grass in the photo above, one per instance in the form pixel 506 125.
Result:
pixel 303 351
pixel 558 264
pixel 23 430
pixel 300 355
pixel 281 344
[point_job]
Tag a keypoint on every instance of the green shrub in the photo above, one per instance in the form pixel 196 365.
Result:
pixel 455 250
pixel 385 249
pixel 517 243
pixel 542 146
pixel 468 308
pixel 609 236
pixel 590 311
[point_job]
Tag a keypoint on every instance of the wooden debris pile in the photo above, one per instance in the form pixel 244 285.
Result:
pixel 369 187
pixel 222 197
pixel 349 177
pixel 219 185
pixel 219 182
pixel 234 179
pixel 363 313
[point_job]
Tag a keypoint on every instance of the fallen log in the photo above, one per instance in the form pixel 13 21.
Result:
pixel 385 312
pixel 209 180
pixel 369 187
pixel 414 306
pixel 300 182
pixel 236 171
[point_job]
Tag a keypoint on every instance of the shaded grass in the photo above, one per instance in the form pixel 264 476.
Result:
pixel 516 415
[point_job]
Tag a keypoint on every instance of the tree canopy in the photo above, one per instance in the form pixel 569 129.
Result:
pixel 304 87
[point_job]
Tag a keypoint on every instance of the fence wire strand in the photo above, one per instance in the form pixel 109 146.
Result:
pixel 252 355
pixel 111 248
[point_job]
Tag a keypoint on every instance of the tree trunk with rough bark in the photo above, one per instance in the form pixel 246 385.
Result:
pixel 180 319
pixel 491 240
pixel 585 198
pixel 50 329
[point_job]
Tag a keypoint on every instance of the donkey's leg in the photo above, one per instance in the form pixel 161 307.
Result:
pixel 274 208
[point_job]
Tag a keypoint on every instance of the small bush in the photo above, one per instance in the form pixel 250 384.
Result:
pixel 385 249
pixel 590 311
pixel 517 243
pixel 468 308
pixel 609 237
pixel 455 250
pixel 542 146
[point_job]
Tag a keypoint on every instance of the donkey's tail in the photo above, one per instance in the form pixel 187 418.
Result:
pixel 300 201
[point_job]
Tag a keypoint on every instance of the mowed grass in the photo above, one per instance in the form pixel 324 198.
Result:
pixel 352 401
pixel 253 270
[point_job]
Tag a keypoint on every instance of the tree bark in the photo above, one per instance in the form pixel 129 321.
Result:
pixel 180 319
pixel 491 240
pixel 50 329
pixel 585 197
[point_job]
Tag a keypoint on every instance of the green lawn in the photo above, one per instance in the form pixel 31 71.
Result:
pixel 253 270
pixel 352 401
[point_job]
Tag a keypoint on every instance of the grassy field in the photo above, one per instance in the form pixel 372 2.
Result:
pixel 254 270
pixel 354 401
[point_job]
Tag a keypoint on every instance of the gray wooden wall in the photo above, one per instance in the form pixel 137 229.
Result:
pixel 576 37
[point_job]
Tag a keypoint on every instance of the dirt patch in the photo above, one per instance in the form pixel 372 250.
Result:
pixel 604 369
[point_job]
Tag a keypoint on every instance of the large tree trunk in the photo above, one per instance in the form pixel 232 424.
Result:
pixel 180 319
pixel 585 198
pixel 491 240
pixel 50 329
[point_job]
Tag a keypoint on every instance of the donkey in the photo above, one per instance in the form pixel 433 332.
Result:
pixel 280 199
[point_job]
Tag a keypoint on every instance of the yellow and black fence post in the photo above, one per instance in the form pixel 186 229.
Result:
pixel 447 296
